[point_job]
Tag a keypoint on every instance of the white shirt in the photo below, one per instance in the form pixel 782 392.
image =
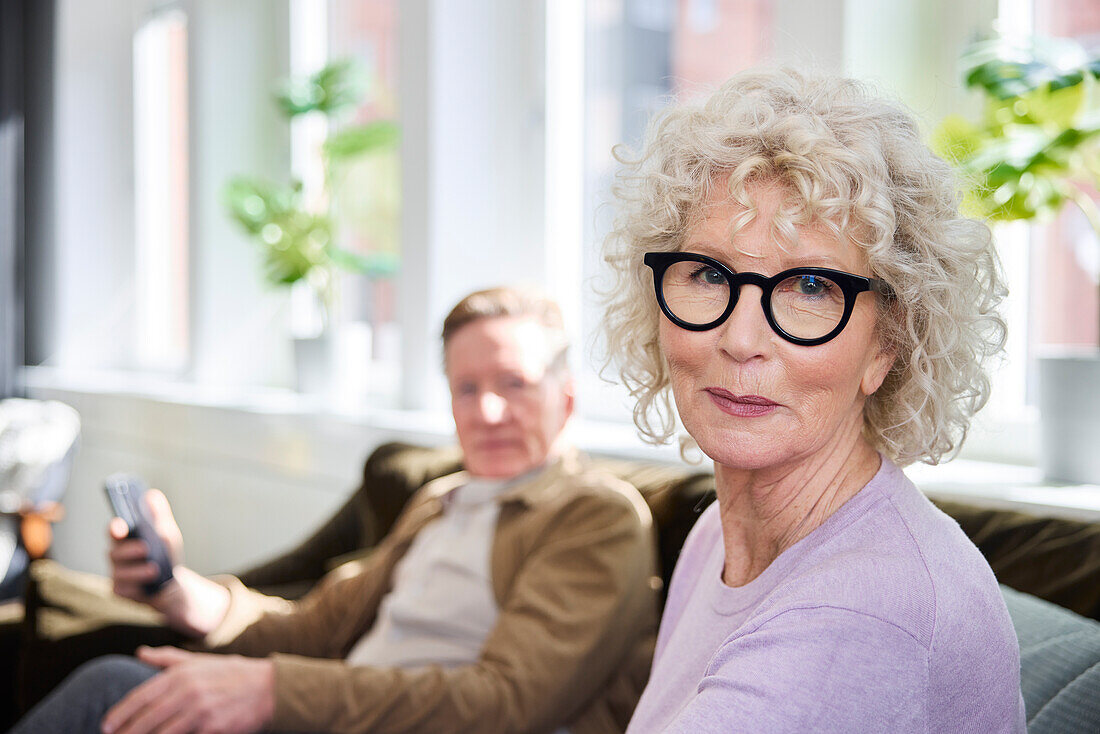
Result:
pixel 442 606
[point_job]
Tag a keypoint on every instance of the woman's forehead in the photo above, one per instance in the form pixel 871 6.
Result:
pixel 766 220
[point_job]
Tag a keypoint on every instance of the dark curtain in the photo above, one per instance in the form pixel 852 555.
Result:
pixel 26 180
pixel 11 192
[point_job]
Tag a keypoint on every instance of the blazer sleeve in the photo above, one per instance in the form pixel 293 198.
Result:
pixel 330 618
pixel 318 625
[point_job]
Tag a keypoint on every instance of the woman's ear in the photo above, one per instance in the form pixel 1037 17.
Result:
pixel 876 372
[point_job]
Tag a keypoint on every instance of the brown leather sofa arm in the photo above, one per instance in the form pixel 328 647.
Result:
pixel 390 476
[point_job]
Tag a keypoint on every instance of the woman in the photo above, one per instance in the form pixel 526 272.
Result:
pixel 791 264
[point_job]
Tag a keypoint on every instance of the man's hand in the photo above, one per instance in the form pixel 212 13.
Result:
pixel 191 604
pixel 197 692
pixel 130 564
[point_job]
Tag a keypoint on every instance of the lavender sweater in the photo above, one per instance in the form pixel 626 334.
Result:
pixel 885 618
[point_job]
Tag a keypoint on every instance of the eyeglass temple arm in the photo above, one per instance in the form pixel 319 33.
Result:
pixel 881 287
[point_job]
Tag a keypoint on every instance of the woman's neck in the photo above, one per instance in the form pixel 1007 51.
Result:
pixel 766 511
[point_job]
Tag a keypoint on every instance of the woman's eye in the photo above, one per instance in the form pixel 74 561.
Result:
pixel 811 285
pixel 708 275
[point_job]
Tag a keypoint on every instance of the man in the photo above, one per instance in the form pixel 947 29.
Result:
pixel 514 596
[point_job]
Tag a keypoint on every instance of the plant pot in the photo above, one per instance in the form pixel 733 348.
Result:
pixel 315 363
pixel 1069 403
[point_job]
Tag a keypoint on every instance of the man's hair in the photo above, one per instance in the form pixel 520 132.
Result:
pixel 507 302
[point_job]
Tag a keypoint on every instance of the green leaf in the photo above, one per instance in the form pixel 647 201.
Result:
pixel 1005 79
pixel 293 241
pixel 294 246
pixel 1055 107
pixel 1040 131
pixel 1004 68
pixel 956 139
pixel 337 86
pixel 359 139
pixel 254 204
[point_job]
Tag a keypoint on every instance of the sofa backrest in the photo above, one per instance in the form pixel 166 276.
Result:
pixel 1051 558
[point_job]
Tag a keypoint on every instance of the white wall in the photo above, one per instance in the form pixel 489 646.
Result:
pixel 244 482
pixel 238 53
pixel 473 161
pixel 93 182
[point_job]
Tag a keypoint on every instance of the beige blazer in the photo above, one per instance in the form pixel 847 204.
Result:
pixel 572 563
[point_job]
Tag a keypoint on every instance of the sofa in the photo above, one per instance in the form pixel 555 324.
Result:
pixel 1049 569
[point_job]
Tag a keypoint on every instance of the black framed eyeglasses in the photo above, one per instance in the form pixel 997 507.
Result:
pixel 806 306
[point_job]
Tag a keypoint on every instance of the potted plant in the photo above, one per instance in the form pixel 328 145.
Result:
pixel 297 237
pixel 1036 150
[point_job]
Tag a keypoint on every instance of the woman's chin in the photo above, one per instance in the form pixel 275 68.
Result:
pixel 738 451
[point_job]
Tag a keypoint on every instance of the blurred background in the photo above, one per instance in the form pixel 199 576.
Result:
pixel 230 229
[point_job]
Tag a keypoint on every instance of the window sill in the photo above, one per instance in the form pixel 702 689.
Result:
pixel 1007 486
pixel 248 399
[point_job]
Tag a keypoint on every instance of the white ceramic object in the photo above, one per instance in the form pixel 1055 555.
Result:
pixel 315 363
pixel 1069 402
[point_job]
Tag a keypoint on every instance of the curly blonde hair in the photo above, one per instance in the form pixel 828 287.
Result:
pixel 854 163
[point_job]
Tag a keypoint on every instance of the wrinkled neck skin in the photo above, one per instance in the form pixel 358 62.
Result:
pixel 766 511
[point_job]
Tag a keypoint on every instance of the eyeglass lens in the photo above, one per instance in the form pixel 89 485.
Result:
pixel 804 306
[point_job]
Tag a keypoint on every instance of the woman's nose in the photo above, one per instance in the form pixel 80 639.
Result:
pixel 746 333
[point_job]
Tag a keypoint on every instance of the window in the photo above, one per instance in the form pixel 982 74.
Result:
pixel 153 117
pixel 642 55
pixel 364 192
pixel 1052 271
pixel 1067 257
pixel 161 262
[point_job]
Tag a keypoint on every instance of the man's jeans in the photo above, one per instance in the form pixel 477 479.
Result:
pixel 80 702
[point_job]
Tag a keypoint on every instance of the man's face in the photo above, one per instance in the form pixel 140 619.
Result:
pixel 509 410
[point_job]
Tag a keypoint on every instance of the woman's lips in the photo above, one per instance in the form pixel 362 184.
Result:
pixel 743 406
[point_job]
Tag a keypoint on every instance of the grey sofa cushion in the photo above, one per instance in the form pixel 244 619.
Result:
pixel 1060 665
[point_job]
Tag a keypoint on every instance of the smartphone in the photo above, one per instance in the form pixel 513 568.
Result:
pixel 125 491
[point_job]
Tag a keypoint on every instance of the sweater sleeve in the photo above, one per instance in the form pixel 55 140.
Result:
pixel 579 604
